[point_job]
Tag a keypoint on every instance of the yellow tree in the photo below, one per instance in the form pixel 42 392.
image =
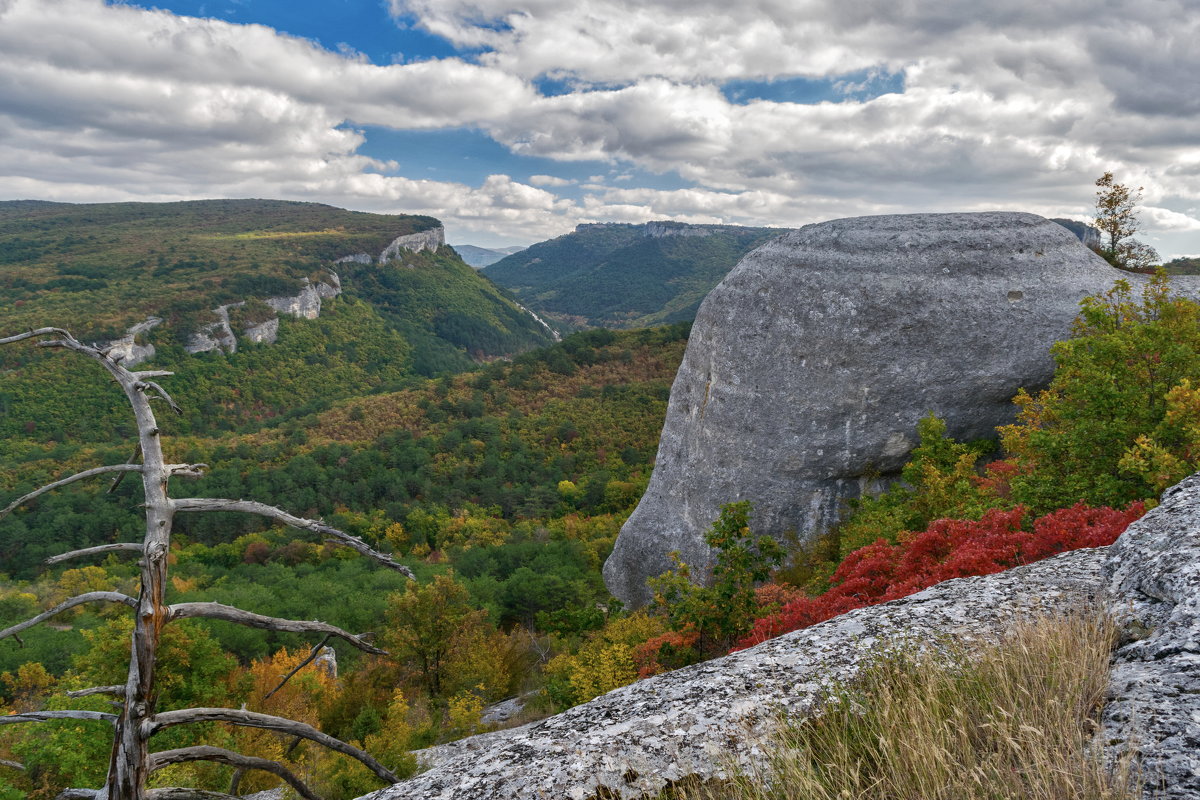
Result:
pixel 1117 220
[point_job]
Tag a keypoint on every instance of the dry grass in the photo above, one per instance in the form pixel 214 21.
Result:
pixel 1014 720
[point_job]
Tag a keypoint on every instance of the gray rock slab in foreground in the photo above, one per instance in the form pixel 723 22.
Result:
pixel 701 720
pixel 810 364
pixel 1153 572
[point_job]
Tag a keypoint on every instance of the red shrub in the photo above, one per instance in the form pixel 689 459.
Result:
pixel 948 548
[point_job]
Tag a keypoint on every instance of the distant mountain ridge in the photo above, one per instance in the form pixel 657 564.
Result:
pixel 479 257
pixel 620 275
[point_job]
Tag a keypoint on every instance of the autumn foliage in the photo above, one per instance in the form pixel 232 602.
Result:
pixel 948 548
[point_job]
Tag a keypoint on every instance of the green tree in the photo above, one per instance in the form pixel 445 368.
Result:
pixel 722 611
pixel 1117 220
pixel 428 625
pixel 1128 362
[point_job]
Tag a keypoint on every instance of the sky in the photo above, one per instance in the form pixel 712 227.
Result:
pixel 514 120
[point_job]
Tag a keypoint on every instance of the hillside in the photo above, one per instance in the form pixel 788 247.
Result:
pixel 625 276
pixel 228 278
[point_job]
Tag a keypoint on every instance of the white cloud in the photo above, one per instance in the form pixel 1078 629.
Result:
pixel 549 180
pixel 1016 105
pixel 1164 220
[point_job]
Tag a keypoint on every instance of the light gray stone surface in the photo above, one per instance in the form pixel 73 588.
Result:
pixel 704 719
pixel 264 332
pixel 215 335
pixel 430 239
pixel 1153 574
pixel 811 363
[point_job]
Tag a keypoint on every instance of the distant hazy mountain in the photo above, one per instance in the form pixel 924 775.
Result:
pixel 479 257
pixel 615 275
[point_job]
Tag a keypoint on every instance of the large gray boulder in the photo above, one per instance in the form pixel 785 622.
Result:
pixel 810 365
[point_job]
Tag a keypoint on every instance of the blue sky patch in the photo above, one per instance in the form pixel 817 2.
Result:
pixel 857 86
pixel 364 25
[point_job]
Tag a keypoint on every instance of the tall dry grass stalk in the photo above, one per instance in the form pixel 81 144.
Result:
pixel 1010 720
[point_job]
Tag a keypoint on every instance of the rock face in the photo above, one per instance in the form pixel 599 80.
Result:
pixel 811 363
pixel 430 239
pixel 305 304
pixel 1153 574
pixel 216 335
pixel 701 720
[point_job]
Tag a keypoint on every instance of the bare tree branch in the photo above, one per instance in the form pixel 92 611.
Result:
pixel 77 794
pixel 137 451
pixel 78 476
pixel 39 332
pixel 252 620
pixel 119 691
pixel 316 650
pixel 176 793
pixel 161 392
pixel 42 716
pixel 77 600
pixel 279 515
pixel 132 547
pixel 12 764
pixel 223 756
pixel 152 373
pixel 253 719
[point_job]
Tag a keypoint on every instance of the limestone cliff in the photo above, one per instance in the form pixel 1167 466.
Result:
pixel 811 363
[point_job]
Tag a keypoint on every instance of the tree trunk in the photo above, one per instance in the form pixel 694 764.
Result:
pixel 128 767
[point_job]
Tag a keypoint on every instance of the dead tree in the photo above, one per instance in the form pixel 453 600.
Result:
pixel 132 762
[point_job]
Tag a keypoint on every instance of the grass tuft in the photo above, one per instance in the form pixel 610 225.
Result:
pixel 1010 720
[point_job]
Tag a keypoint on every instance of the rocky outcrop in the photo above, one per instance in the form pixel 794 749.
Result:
pixel 430 239
pixel 264 332
pixel 306 304
pixel 703 720
pixel 216 335
pixel 128 348
pixel 1153 574
pixel 811 363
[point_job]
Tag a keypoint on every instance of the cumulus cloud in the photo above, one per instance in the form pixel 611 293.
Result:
pixel 1164 220
pixel 1017 105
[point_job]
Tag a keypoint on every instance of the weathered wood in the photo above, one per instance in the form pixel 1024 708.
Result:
pixel 77 794
pixel 78 476
pixel 116 547
pixel 252 719
pixel 223 756
pixel 251 620
pixel 291 520
pixel 118 691
pixel 42 716
pixel 77 600
pixel 11 764
pixel 178 793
